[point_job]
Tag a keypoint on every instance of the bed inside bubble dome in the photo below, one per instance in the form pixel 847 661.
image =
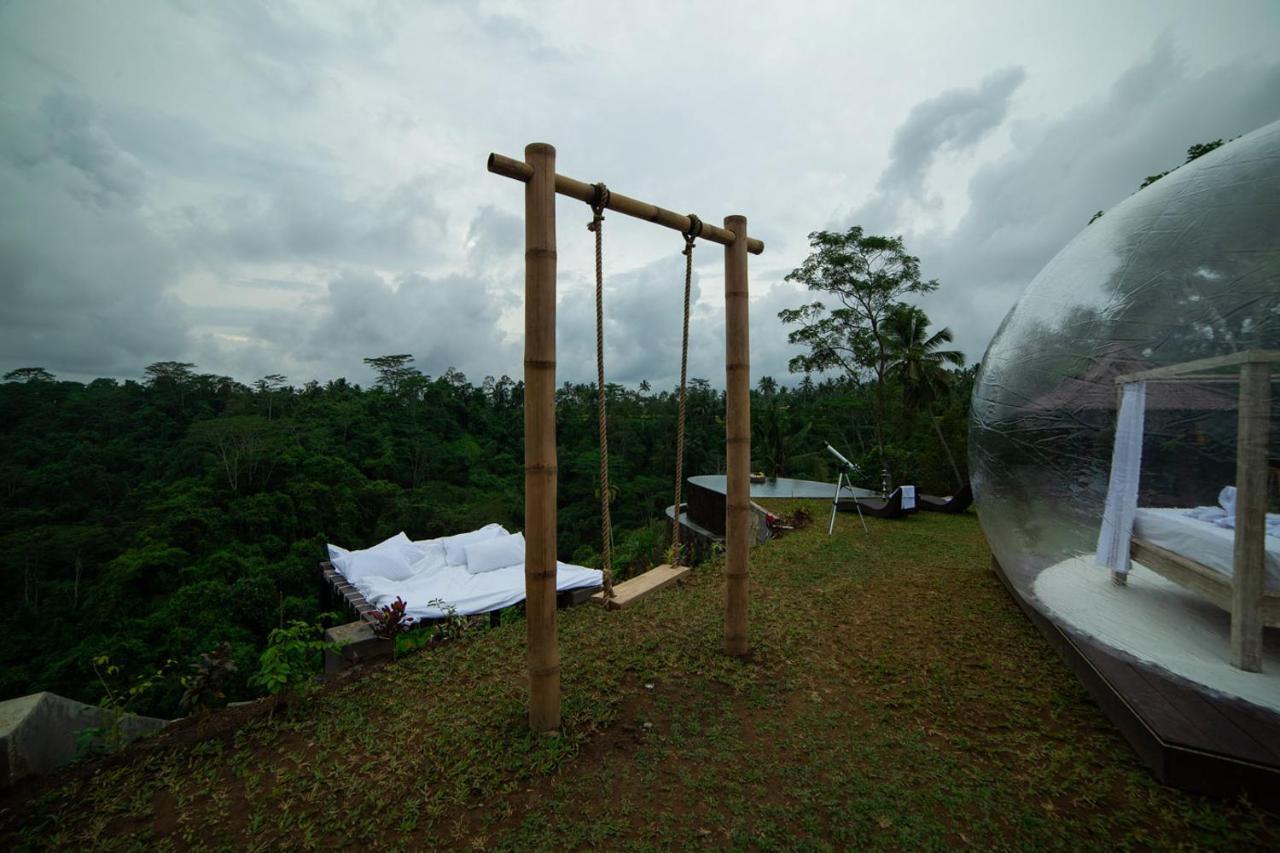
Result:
pixel 1125 457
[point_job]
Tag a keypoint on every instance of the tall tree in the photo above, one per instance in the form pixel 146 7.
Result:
pixel 267 386
pixel 29 374
pixel 868 276
pixel 395 372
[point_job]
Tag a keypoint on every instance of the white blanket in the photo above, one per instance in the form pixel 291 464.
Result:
pixel 1207 543
pixel 435 585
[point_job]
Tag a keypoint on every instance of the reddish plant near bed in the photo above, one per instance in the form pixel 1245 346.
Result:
pixel 391 620
pixel 780 525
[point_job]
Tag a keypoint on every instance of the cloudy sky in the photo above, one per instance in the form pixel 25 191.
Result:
pixel 277 187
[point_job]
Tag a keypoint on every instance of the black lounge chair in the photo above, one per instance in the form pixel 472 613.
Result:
pixel 890 507
pixel 958 502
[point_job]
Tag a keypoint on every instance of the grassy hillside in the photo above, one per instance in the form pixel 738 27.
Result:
pixel 895 697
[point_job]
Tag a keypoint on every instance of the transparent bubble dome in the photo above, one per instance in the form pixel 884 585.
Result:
pixel 1187 268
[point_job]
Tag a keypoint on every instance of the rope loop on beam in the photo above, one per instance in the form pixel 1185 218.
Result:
pixel 599 201
pixel 693 233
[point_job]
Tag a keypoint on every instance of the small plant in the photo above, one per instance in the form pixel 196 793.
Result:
pixel 208 679
pixel 116 702
pixel 780 525
pixel 391 621
pixel 287 667
pixel 452 626
pixel 673 557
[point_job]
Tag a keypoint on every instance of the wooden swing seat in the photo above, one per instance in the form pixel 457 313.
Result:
pixel 640 587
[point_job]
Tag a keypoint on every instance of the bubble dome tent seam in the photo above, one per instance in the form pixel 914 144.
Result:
pixel 1183 271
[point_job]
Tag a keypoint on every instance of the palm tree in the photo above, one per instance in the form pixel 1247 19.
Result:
pixel 917 359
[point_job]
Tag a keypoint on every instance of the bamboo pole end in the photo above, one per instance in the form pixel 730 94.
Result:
pixel 535 149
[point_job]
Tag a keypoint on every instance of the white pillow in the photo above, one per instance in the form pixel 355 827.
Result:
pixel 1227 499
pixel 455 546
pixel 392 559
pixel 432 560
pixel 493 554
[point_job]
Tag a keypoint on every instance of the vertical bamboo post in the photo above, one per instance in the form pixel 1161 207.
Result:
pixel 1251 521
pixel 737 439
pixel 540 437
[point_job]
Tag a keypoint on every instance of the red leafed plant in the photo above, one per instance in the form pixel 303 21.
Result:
pixel 391 620
pixel 780 525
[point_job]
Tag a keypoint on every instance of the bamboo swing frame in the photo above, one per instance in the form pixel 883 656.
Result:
pixel 538 173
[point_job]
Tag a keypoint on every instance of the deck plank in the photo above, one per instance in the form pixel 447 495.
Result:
pixel 1189 737
pixel 641 586
pixel 1180 713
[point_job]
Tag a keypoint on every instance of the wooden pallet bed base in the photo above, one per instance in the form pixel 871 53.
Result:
pixel 1197 577
pixel 344 594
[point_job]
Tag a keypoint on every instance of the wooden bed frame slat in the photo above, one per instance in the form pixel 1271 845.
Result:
pixel 1183 571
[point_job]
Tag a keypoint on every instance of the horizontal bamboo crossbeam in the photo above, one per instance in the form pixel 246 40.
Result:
pixel 522 171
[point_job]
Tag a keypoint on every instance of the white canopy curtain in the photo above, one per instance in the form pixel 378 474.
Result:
pixel 1122 490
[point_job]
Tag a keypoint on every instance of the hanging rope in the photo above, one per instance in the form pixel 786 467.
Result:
pixel 695 231
pixel 598 203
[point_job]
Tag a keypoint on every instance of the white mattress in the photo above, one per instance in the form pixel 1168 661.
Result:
pixel 429 585
pixel 467 593
pixel 1202 541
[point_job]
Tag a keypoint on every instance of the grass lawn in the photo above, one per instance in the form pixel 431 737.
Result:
pixel 895 697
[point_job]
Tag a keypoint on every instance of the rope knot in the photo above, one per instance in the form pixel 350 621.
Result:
pixel 599 201
pixel 694 232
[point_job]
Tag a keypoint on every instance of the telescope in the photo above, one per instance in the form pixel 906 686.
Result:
pixel 845 477
pixel 837 454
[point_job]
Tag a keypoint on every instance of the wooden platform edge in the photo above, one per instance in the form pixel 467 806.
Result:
pixel 1196 770
pixel 641 586
pixel 340 593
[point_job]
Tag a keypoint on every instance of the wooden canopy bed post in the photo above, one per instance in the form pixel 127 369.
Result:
pixel 1243 594
pixel 1251 516
pixel 542 183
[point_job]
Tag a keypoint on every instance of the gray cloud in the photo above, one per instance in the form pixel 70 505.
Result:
pixel 494 236
pixel 642 310
pixel 952 122
pixel 293 187
pixel 289 50
pixel 1025 206
pixel 307 217
pixel 83 276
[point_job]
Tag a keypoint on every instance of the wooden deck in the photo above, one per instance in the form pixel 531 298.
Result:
pixel 1189 737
